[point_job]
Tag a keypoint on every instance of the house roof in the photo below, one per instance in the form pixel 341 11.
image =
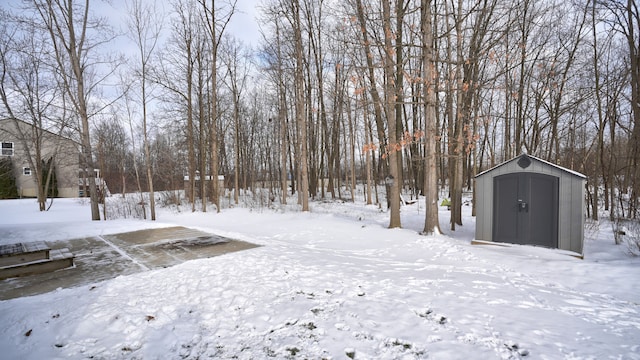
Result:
pixel 2 120
pixel 526 156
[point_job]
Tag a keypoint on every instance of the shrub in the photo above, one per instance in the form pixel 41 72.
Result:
pixel 627 232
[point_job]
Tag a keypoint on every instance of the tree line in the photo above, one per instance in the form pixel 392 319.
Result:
pixel 413 96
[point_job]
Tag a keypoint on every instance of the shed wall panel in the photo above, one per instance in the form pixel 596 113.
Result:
pixel 577 222
pixel 484 206
pixel 488 200
pixel 564 230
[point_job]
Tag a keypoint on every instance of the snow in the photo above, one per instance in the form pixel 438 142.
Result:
pixel 333 283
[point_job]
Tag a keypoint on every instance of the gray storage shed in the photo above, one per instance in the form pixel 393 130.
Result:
pixel 527 200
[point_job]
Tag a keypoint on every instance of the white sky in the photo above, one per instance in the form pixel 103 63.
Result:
pixel 243 24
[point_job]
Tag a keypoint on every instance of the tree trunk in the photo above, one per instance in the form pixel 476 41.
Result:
pixel 70 53
pixel 431 221
pixel 633 24
pixel 373 90
pixel 390 107
pixel 601 119
pixel 299 106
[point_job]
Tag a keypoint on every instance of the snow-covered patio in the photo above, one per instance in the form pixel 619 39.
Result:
pixel 104 257
pixel 333 283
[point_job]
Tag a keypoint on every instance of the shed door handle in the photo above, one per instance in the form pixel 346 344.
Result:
pixel 522 206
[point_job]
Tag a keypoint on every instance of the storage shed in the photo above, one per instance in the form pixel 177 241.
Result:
pixel 527 200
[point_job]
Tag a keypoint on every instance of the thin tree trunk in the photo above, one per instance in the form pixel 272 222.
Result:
pixel 202 139
pixel 601 119
pixel 633 21
pixel 367 150
pixel 70 50
pixel 373 90
pixel 299 106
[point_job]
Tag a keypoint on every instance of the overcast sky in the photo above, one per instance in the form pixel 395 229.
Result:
pixel 243 24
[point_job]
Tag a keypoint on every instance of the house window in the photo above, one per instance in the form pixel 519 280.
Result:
pixel 26 171
pixel 7 148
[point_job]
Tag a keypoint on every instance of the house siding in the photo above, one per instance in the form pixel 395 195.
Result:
pixel 67 158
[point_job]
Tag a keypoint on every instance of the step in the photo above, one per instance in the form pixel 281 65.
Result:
pixel 58 259
pixel 14 254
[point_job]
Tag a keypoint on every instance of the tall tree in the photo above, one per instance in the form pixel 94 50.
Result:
pixel 431 222
pixel 237 72
pixel 145 26
pixel 216 25
pixel 376 99
pixel 282 115
pixel 302 149
pixel 176 76
pixel 630 27
pixel 390 96
pixel 276 64
pixel 130 115
pixel 457 121
pixel 30 96
pixel 75 37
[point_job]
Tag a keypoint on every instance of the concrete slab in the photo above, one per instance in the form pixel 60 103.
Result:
pixel 57 260
pixel 14 254
pixel 106 257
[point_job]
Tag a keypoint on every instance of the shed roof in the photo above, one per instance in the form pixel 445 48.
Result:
pixel 569 171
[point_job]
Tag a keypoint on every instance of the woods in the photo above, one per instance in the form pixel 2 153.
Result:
pixel 415 97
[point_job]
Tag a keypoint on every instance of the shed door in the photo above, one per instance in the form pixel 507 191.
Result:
pixel 525 209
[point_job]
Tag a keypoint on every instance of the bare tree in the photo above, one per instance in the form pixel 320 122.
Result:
pixel 627 22
pixel 216 22
pixel 176 78
pixel 30 96
pixel 75 36
pixel 145 26
pixel 301 153
pixel 129 117
pixel 431 222
pixel 237 73
pixel 113 153
pixel 390 96
pixel 282 115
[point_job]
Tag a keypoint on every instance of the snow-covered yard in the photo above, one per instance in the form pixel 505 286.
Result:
pixel 333 283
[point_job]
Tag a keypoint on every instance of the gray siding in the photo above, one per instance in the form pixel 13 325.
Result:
pixel 66 157
pixel 571 201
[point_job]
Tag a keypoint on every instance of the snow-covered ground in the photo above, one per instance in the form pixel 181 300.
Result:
pixel 333 283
